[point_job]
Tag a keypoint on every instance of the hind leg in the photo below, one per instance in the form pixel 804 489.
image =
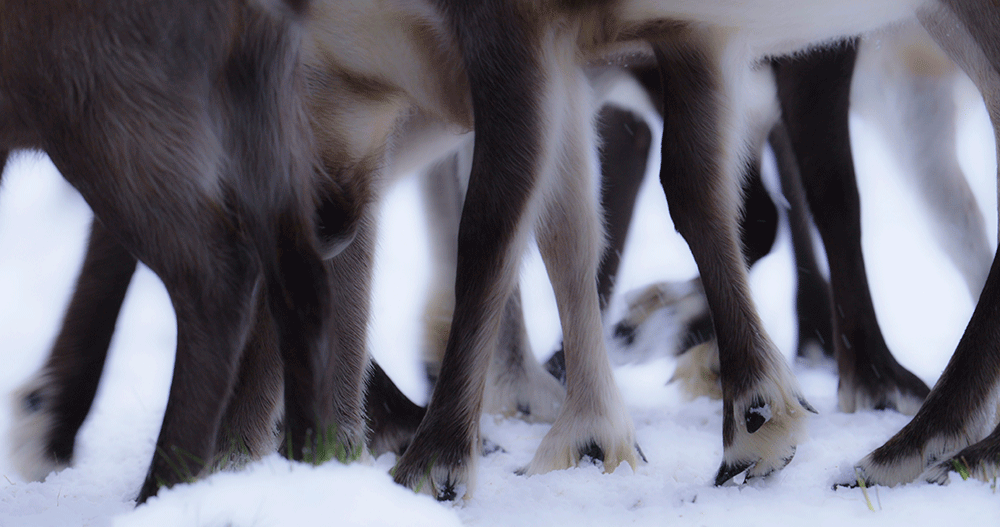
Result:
pixel 980 461
pixel 249 427
pixel 906 84
pixel 349 300
pixel 962 407
pixel 50 409
pixel 814 92
pixel 763 413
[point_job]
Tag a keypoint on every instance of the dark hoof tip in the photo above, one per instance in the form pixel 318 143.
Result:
pixel 521 471
pixel 447 492
pixel 33 402
pixel 805 404
pixel 787 460
pixel 641 455
pixel 858 481
pixel 625 332
pixel 728 472
pixel 556 366
pixel 885 404
pixel 488 447
pixel 592 451
pixel 757 415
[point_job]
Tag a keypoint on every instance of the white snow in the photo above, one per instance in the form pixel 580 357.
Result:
pixel 922 305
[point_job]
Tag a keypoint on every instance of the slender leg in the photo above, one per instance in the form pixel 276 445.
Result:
pixel 347 332
pixel 594 421
pixel 516 384
pixel 814 92
pixel 502 68
pixel 625 142
pixel 812 295
pixel 906 85
pixel 763 412
pixel 52 407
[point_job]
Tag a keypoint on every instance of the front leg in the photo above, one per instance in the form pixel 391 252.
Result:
pixel 763 415
pixel 500 55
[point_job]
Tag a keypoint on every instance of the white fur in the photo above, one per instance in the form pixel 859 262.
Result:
pixel 569 239
pixel 773 445
pixel 697 371
pixel 659 314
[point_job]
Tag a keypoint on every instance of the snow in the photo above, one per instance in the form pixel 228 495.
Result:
pixel 921 302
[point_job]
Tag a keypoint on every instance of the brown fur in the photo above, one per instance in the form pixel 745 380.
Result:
pixel 181 124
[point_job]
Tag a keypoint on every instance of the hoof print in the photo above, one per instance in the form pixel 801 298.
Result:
pixel 758 414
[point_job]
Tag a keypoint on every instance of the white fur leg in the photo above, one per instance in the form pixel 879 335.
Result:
pixel 769 421
pixel 594 421
pixel 31 426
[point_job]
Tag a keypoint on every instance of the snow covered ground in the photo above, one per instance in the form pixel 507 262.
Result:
pixel 922 304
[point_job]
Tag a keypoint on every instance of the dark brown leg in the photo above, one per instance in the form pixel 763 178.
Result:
pixel 814 92
pixel 504 81
pixel 812 294
pixel 59 399
pixel 763 411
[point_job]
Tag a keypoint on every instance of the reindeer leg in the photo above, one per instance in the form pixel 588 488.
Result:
pixel 51 407
pixel 814 92
pixel 907 83
pixel 594 421
pixel 812 295
pixel 516 385
pixel 962 407
pixel 980 461
pixel 502 65
pixel 625 140
pixel 346 372
pixel 763 413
